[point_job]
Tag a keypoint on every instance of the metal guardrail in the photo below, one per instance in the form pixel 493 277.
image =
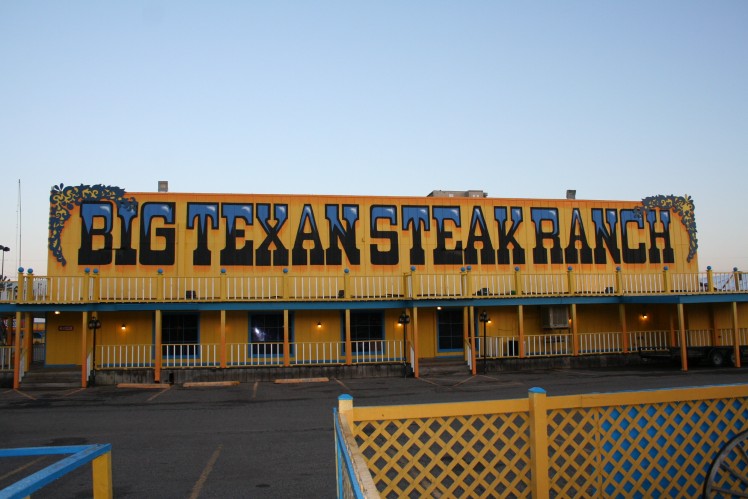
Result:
pixel 99 455
pixel 413 285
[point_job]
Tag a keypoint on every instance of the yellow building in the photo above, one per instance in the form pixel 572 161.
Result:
pixel 144 284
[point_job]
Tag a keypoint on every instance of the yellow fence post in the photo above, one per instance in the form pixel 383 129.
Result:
pixel 736 275
pixel 624 327
pixel 346 283
pixel 348 342
pixel 521 330
pixel 570 280
pixel 471 322
pixel 224 293
pixel 102 476
pixel 539 443
pixel 21 288
pixel 517 281
pixel 160 285
pixel 619 282
pixel 84 348
pixel 86 285
pixel 574 331
pixel 223 339
pixel 683 340
pixel 96 291
pixel 286 339
pixel 665 279
pixel 414 288
pixel 285 284
pixel 709 280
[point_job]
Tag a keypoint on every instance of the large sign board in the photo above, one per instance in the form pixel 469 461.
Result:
pixel 105 228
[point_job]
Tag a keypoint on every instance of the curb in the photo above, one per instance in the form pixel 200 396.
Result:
pixel 301 380
pixel 200 384
pixel 151 386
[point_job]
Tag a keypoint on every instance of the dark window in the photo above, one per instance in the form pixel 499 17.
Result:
pixel 180 335
pixel 367 328
pixel 266 333
pixel 451 336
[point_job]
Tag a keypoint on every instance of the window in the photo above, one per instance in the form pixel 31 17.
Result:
pixel 180 335
pixel 451 336
pixel 266 334
pixel 367 330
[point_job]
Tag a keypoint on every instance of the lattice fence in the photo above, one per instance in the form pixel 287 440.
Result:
pixel 631 444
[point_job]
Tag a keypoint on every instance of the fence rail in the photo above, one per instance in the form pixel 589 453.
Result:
pixel 93 287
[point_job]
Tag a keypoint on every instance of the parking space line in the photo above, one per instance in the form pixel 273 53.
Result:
pixel 21 468
pixel 254 389
pixel 341 384
pixel 204 475
pixel 25 394
pixel 157 394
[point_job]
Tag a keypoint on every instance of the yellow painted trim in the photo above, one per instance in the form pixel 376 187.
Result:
pixel 102 476
pixel 440 410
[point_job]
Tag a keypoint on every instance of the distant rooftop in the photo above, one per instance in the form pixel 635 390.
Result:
pixel 458 194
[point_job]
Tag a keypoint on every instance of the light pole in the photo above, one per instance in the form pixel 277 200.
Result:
pixel 404 320
pixel 94 324
pixel 4 249
pixel 485 320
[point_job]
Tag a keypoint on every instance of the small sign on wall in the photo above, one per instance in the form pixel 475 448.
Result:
pixel 65 328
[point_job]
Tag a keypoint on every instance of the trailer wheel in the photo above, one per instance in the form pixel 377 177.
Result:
pixel 716 358
pixel 728 473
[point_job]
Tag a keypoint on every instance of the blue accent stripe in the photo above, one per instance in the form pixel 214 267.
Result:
pixel 357 492
pixel 82 454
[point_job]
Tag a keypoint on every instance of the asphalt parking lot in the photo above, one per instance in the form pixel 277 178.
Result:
pixel 260 439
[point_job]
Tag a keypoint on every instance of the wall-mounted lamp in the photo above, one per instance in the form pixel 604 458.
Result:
pixel 644 314
pixel 319 325
pixel 124 327
pixel 57 312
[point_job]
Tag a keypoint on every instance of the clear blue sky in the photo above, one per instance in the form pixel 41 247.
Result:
pixel 616 99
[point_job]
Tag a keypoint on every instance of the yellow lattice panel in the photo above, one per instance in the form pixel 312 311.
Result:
pixel 458 456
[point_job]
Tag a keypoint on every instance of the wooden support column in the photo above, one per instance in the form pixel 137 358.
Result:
pixel 471 325
pixel 28 340
pixel 624 327
pixel 17 353
pixel 683 345
pixel 465 330
pixel 348 343
pixel 574 331
pixel 286 339
pixel 84 350
pixel 157 348
pixel 521 326
pixel 223 339
pixel 736 333
pixel 715 336
pixel 414 321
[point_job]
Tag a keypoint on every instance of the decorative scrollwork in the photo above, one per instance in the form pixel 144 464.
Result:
pixel 684 207
pixel 63 199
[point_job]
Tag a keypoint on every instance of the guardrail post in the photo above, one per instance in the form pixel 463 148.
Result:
pixel 223 285
pixel 570 280
pixel 619 282
pixel 21 297
pixel 102 476
pixel 665 280
pixel 736 275
pixel 96 284
pixel 709 280
pixel 466 284
pixel 160 285
pixel 517 281
pixel 539 443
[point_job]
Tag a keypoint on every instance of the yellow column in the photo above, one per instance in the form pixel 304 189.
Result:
pixel 468 286
pixel 465 329
pixel 222 280
pixel 157 346
pixel 28 339
pixel 521 326
pixel 574 331
pixel 223 339
pixel 285 284
pixel 713 326
pixel 683 346
pixel 624 328
pixel 102 476
pixel 414 321
pixel 471 326
pixel 286 339
pixel 84 350
pixel 160 285
pixel 346 283
pixel 21 286
pixel 570 280
pixel 736 333
pixel 96 286
pixel 665 279
pixel 539 443
pixel 17 353
pixel 619 282
pixel 709 280
pixel 517 281
pixel 348 343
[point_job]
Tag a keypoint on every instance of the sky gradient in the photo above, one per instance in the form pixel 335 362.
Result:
pixel 618 100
